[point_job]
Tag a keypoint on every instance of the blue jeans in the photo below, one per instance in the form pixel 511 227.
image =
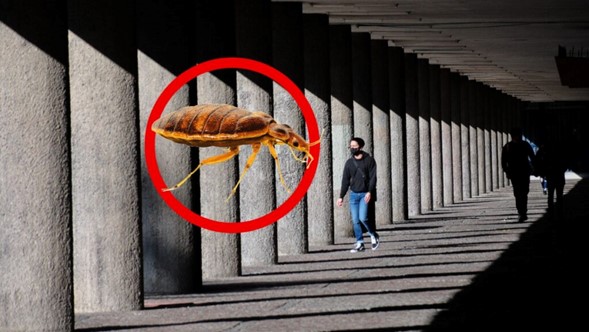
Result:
pixel 359 210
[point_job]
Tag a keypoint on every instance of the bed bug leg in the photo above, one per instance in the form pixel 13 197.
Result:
pixel 233 151
pixel 255 149
pixel 275 156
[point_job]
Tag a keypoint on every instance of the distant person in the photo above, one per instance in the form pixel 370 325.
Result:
pixel 551 162
pixel 516 158
pixel 360 177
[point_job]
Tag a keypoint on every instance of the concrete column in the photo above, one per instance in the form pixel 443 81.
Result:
pixel 495 143
pixel 287 42
pixel 220 252
pixel 412 136
pixel 105 156
pixel 169 257
pixel 35 200
pixel 506 128
pixel 464 137
pixel 455 101
pixel 381 126
pixel 397 118
pixel 436 136
pixel 425 159
pixel 480 123
pixel 500 137
pixel 472 137
pixel 317 90
pixel 446 132
pixel 487 136
pixel 342 126
pixel 362 88
pixel 254 93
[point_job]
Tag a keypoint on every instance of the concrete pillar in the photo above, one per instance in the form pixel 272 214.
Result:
pixel 254 92
pixel 105 156
pixel 464 137
pixel 500 137
pixel 487 136
pixel 220 252
pixel 412 136
pixel 381 126
pixel 317 90
pixel 397 118
pixel 472 137
pixel 362 88
pixel 436 136
pixel 342 126
pixel 446 133
pixel 169 256
pixel 455 102
pixel 287 42
pixel 506 128
pixel 480 123
pixel 495 143
pixel 35 200
pixel 425 159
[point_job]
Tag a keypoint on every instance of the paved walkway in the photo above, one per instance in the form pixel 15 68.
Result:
pixel 468 267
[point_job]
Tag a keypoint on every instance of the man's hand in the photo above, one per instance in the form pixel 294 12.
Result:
pixel 367 197
pixel 340 202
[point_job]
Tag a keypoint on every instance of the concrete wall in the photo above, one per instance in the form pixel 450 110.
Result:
pixel 105 156
pixel 220 252
pixel 35 189
pixel 253 26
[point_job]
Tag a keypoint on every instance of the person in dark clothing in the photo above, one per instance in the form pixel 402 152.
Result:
pixel 551 162
pixel 516 158
pixel 360 177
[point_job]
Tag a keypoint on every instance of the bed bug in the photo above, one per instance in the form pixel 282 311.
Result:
pixel 227 126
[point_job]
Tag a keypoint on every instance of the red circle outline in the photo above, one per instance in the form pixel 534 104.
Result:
pixel 244 64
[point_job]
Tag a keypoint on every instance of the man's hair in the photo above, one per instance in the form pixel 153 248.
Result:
pixel 358 140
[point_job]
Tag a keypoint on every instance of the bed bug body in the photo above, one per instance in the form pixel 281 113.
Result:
pixel 229 127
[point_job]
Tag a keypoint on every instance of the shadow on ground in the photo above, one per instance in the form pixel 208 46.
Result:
pixel 538 283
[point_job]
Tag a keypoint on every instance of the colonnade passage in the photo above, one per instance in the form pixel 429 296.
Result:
pixel 83 228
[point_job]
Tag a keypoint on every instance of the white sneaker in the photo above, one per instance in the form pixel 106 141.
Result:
pixel 375 242
pixel 358 247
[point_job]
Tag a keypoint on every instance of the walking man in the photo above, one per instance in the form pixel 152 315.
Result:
pixel 516 158
pixel 360 177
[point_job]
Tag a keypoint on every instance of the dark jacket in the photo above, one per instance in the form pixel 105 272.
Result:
pixel 516 159
pixel 359 176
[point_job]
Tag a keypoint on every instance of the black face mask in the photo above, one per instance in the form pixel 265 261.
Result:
pixel 355 151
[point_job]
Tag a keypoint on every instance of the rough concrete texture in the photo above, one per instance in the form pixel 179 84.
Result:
pixel 472 138
pixel 169 255
pixel 488 116
pixel 464 137
pixel 362 89
pixel 480 126
pixel 412 136
pixel 320 197
pixel 287 55
pixel 495 115
pixel 105 156
pixel 35 203
pixel 397 118
pixel 382 132
pixel 342 125
pixel 446 132
pixel 220 251
pixel 425 153
pixel 456 137
pixel 436 136
pixel 254 93
pixel 466 267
